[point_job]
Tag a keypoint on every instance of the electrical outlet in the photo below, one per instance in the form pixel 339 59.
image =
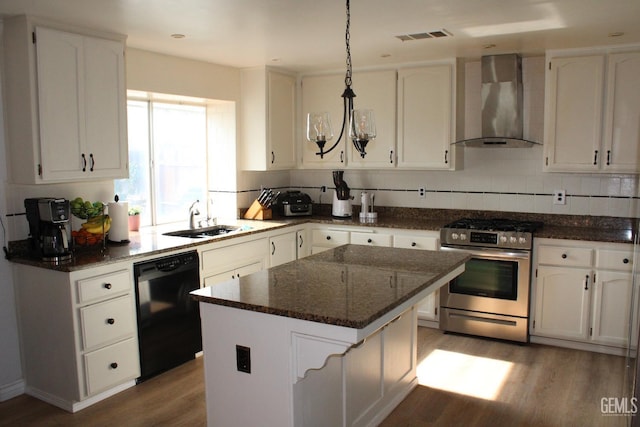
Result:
pixel 243 358
pixel 323 189
pixel 422 193
pixel 559 197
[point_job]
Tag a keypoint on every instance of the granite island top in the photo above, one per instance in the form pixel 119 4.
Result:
pixel 351 285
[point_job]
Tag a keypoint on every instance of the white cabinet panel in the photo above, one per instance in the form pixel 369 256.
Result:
pixel 562 302
pixel 283 248
pixel 111 365
pixel 611 308
pixel 622 127
pixel 371 239
pixel 107 321
pixel 426 117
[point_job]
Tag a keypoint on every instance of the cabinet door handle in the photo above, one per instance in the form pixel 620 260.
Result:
pixel 84 163
pixel 93 162
pixel 625 261
pixel 107 285
pixel 608 157
pixel 595 158
pixel 586 283
pixel 341 156
pixel 446 157
pixel 273 157
pixel 273 248
pixel 113 365
pixel 391 156
pixel 301 242
pixel 111 320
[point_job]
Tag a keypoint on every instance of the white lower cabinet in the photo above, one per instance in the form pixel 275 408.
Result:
pixel 428 308
pixel 282 248
pixel 78 333
pixel 219 263
pixel 327 238
pixel 583 294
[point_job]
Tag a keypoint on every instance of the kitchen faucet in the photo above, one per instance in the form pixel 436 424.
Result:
pixel 193 211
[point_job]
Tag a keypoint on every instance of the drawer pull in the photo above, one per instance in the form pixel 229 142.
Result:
pixel 107 285
pixel 328 237
pixel 413 244
pixel 113 365
pixel 369 240
pixel 625 261
pixel 111 320
pixel 586 283
pixel 273 248
pixel 564 256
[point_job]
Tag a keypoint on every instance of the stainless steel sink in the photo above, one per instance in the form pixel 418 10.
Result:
pixel 200 233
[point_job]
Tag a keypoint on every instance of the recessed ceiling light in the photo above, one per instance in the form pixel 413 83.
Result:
pixel 385 55
pixel 616 34
pixel 178 36
pixel 489 46
pixel 275 60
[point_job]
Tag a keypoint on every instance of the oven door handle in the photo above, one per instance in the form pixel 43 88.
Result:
pixel 489 253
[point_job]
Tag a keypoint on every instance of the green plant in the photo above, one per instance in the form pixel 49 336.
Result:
pixel 134 211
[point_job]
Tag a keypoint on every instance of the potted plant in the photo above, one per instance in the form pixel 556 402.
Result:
pixel 134 219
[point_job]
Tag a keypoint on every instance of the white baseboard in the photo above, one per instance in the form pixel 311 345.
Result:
pixel 11 390
pixel 73 406
pixel 597 348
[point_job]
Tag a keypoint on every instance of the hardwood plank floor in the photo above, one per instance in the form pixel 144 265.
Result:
pixel 544 386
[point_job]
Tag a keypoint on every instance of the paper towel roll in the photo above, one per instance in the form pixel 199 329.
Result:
pixel 119 213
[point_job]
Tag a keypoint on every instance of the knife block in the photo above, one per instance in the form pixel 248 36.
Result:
pixel 257 211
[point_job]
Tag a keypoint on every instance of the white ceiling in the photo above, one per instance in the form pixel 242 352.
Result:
pixel 309 34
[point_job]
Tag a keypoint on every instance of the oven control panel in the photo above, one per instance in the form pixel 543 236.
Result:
pixel 487 239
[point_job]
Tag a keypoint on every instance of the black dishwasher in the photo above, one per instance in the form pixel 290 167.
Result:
pixel 169 330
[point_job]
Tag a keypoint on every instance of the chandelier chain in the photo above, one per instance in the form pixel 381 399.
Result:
pixel 347 37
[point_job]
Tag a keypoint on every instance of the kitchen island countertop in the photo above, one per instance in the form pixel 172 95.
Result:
pixel 351 286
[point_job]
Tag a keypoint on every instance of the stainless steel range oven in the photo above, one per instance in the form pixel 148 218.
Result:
pixel 491 298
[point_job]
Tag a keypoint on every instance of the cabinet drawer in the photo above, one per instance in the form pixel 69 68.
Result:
pixel 565 256
pixel 107 321
pixel 104 286
pixel 230 257
pixel 372 239
pixel 330 238
pixel 112 365
pixel 614 260
pixel 420 242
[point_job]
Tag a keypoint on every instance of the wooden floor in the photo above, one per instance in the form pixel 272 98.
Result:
pixel 543 386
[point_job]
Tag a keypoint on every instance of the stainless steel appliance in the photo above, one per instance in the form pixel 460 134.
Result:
pixel 491 298
pixel 295 203
pixel 169 330
pixel 49 235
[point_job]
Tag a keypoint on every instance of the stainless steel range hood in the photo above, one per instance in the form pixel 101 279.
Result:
pixel 501 104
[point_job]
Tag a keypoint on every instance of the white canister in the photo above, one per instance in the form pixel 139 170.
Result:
pixel 364 201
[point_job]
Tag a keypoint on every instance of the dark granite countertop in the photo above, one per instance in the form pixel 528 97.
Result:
pixel 150 241
pixel 351 285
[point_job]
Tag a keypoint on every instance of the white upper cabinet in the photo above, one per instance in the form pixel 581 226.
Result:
pixel 427 117
pixel 66 105
pixel 622 119
pixel 323 93
pixel 268 99
pixel 376 90
pixel 591 113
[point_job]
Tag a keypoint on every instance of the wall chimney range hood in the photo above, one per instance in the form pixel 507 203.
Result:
pixel 501 104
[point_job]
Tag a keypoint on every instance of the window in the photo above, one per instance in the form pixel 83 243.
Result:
pixel 167 160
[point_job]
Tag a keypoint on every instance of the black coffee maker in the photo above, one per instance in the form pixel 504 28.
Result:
pixel 48 233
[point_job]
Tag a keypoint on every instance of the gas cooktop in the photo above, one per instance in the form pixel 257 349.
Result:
pixel 490 233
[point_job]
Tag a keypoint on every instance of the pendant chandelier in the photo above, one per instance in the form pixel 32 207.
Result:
pixel 362 127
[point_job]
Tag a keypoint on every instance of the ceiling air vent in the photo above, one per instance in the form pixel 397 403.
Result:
pixel 428 35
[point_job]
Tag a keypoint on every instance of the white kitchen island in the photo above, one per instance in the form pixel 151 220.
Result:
pixel 328 340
